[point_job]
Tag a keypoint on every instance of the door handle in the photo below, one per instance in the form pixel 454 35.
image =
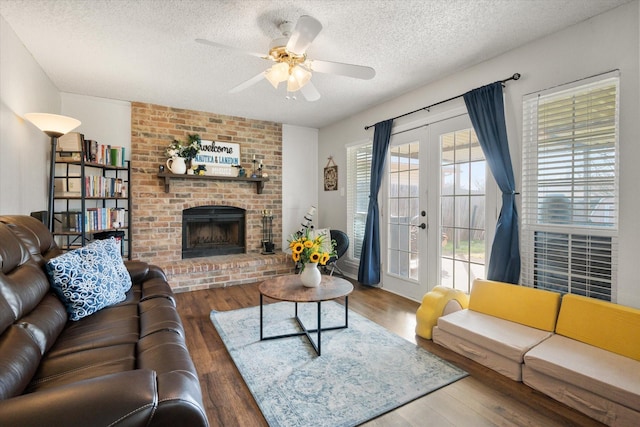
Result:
pixel 423 226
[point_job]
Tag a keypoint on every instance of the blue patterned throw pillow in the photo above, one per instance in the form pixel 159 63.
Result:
pixel 112 247
pixel 86 280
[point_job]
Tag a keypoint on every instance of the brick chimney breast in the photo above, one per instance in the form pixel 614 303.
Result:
pixel 157 215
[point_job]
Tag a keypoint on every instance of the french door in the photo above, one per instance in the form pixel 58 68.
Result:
pixel 436 199
pixel 405 219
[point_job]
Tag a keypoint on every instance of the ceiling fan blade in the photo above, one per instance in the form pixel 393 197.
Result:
pixel 253 80
pixel 310 92
pixel 349 70
pixel 231 48
pixel 306 30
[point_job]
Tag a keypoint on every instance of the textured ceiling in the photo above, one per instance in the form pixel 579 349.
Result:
pixel 144 50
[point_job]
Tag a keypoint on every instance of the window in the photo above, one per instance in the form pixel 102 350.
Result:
pixel 463 172
pixel 570 188
pixel 404 208
pixel 358 178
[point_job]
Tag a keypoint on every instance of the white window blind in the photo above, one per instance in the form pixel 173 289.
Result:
pixel 358 178
pixel 570 187
pixel 574 263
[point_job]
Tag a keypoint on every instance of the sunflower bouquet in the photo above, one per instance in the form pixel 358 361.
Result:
pixel 306 248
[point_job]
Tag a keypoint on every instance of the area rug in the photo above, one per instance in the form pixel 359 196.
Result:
pixel 364 371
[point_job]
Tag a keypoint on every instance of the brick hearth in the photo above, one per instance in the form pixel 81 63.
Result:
pixel 157 216
pixel 225 270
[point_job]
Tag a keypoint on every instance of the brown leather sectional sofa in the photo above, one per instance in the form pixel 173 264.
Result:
pixel 125 365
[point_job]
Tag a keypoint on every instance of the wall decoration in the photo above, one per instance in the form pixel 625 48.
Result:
pixel 331 175
pixel 218 157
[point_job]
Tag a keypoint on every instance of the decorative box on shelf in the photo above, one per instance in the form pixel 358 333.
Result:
pixel 221 171
pixel 69 147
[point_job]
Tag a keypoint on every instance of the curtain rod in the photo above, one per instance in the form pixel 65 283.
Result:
pixel 516 76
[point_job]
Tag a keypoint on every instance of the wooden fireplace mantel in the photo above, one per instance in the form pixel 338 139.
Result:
pixel 168 176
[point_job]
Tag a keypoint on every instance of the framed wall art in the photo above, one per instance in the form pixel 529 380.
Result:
pixel 331 175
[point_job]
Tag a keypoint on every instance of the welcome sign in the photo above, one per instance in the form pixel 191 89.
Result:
pixel 215 153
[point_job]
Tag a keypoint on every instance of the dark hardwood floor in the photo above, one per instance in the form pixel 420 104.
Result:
pixel 484 398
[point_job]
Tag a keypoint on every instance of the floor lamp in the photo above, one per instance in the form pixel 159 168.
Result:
pixel 55 126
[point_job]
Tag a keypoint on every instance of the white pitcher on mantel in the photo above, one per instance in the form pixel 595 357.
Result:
pixel 177 165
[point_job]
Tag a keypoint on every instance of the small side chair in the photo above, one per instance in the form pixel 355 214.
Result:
pixel 342 244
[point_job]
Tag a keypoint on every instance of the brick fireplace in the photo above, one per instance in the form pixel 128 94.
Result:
pixel 157 215
pixel 212 230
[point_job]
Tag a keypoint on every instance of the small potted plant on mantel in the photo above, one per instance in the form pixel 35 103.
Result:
pixel 181 154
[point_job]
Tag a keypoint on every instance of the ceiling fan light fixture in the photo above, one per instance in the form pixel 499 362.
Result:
pixel 278 73
pixel 301 74
pixel 288 55
pixel 297 79
pixel 267 75
pixel 292 84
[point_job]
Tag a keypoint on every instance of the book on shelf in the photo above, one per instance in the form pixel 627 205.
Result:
pixel 94 186
pixel 101 186
pixel 91 150
pixel 95 219
pixel 98 219
pixel 111 155
pixel 117 156
pixel 72 147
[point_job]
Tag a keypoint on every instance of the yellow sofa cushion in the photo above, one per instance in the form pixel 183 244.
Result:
pixel 532 307
pixel 433 306
pixel 612 327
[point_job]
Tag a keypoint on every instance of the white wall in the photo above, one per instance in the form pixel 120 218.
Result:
pixel 107 121
pixel 605 42
pixel 24 149
pixel 299 177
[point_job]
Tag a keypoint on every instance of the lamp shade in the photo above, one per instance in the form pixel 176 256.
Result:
pixel 278 73
pixel 52 124
pixel 298 78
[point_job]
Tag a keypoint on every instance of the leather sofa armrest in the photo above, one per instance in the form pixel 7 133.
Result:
pixel 156 272
pixel 125 398
pixel 151 280
pixel 138 270
pixel 180 401
pixel 141 271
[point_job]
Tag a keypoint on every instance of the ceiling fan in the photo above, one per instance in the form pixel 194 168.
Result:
pixel 291 65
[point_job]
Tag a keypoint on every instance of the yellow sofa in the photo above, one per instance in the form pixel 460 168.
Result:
pixel 502 323
pixel 577 350
pixel 592 362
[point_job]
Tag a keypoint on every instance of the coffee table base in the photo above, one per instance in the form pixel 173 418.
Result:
pixel 307 332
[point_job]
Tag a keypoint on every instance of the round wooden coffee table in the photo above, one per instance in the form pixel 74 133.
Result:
pixel 290 288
